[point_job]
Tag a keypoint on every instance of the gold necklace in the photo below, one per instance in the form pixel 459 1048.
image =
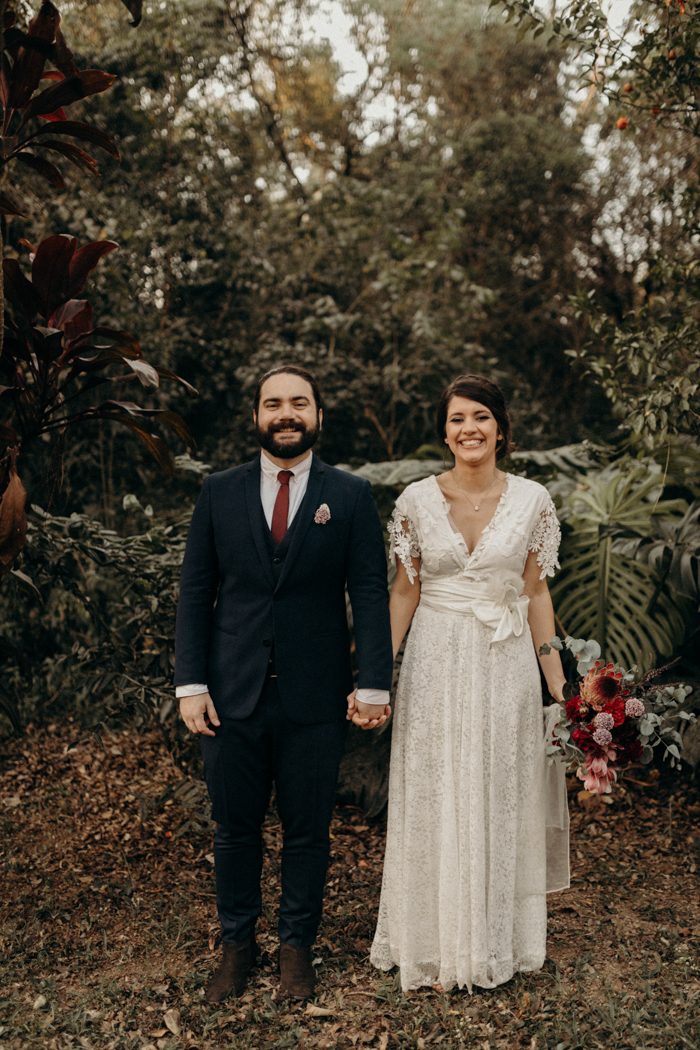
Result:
pixel 468 498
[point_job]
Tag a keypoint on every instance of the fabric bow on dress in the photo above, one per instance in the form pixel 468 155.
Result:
pixel 497 602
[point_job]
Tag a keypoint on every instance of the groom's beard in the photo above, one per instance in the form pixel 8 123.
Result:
pixel 307 437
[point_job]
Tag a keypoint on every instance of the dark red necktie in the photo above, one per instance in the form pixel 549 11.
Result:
pixel 281 508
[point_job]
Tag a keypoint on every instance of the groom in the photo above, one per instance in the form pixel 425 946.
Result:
pixel 263 664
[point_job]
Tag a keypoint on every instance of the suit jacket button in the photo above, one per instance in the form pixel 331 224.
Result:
pixel 276 560
pixel 267 642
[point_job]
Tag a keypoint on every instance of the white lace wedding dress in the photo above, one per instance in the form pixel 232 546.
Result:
pixel 477 824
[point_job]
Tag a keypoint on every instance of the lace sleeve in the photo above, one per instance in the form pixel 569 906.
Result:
pixel 545 539
pixel 403 539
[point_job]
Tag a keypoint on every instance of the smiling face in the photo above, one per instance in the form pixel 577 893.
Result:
pixel 471 432
pixel 288 420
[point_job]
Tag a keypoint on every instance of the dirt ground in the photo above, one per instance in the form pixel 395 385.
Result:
pixel 108 927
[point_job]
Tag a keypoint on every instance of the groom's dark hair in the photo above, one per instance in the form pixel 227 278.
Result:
pixel 486 392
pixel 292 370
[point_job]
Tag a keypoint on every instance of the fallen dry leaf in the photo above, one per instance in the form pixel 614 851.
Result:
pixel 13 519
pixel 318 1011
pixel 172 1020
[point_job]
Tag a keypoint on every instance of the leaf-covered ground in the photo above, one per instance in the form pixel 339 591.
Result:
pixel 108 924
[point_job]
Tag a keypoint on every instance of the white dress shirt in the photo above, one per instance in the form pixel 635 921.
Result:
pixel 269 487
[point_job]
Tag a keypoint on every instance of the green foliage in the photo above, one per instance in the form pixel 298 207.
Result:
pixel 273 215
pixel 648 365
pixel 52 355
pixel 673 554
pixel 647 68
pixel 88 618
pixel 602 593
pixel 440 214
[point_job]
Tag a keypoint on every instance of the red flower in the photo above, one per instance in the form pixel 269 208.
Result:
pixel 616 708
pixel 581 736
pixel 576 709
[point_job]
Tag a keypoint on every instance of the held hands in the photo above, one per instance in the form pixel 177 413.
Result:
pixel 366 716
pixel 198 713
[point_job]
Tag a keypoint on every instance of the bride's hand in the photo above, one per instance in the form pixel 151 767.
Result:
pixel 557 692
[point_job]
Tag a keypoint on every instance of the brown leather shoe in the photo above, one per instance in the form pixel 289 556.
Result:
pixel 231 977
pixel 297 977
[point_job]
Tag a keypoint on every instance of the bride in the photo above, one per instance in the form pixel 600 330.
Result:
pixel 477 823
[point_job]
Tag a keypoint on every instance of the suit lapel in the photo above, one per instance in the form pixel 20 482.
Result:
pixel 304 516
pixel 256 517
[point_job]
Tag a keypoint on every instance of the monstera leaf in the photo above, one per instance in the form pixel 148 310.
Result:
pixel 565 459
pixel 674 554
pixel 398 473
pixel 603 594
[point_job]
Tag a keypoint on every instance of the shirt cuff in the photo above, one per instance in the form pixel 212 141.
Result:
pixel 380 697
pixel 190 690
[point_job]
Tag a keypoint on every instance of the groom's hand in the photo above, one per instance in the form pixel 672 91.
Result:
pixel 366 716
pixel 198 713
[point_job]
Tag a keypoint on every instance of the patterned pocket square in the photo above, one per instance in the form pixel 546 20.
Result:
pixel 323 514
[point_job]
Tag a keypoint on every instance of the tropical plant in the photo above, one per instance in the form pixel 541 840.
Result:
pixel 53 361
pixel 52 355
pixel 34 122
pixel 673 553
pixel 600 592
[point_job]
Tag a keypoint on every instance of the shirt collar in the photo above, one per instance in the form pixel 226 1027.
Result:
pixel 271 470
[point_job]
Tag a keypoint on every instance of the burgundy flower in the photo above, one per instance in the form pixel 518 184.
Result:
pixel 616 708
pixel 581 736
pixel 576 709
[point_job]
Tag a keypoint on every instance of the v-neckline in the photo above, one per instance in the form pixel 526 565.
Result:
pixel 487 527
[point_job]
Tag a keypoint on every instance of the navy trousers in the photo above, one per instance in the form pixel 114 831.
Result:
pixel 241 763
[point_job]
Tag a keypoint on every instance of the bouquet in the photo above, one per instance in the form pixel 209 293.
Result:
pixel 612 718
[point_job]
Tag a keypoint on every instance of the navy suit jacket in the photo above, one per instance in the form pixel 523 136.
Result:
pixel 236 606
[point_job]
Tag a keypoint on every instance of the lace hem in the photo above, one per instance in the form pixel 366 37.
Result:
pixel 545 540
pixel 403 542
pixel 483 974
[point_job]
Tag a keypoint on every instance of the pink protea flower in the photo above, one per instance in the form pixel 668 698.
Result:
pixel 323 514
pixel 604 720
pixel 602 737
pixel 597 776
pixel 601 685
pixel 634 708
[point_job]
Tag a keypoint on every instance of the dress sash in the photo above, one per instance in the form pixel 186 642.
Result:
pixel 498 601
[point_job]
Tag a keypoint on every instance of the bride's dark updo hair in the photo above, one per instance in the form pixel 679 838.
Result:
pixel 478 388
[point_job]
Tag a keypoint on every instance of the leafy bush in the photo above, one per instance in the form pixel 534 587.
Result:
pixel 88 621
